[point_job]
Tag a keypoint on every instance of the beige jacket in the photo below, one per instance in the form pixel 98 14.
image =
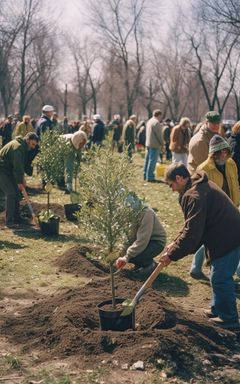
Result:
pixel 149 228
pixel 198 148
pixel 22 129
pixel 154 134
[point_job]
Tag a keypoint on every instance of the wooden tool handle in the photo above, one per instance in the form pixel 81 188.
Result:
pixel 26 197
pixel 149 281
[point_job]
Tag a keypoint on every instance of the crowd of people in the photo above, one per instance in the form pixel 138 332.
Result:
pixel 205 171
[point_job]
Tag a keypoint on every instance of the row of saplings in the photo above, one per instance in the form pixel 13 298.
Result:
pixel 105 212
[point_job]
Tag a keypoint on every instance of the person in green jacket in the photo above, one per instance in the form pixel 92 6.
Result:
pixel 12 161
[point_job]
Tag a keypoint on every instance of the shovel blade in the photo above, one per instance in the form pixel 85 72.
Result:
pixel 129 307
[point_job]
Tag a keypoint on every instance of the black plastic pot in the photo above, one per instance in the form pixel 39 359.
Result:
pixel 111 320
pixel 70 210
pixel 50 227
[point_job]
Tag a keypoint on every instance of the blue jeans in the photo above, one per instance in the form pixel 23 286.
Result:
pixel 223 302
pixel 150 163
pixel 198 259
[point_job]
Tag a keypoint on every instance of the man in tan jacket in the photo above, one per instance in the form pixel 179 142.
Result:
pixel 154 144
pixel 199 143
pixel 24 127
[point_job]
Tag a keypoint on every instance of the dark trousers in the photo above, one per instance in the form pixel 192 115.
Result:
pixel 10 189
pixel 145 258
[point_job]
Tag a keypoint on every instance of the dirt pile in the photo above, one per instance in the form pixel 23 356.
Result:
pixel 57 209
pixel 67 324
pixel 75 261
pixel 37 208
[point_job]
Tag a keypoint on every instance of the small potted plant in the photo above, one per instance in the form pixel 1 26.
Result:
pixel 48 221
pixel 108 221
pixel 51 167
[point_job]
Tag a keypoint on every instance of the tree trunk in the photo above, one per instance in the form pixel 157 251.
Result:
pixel 113 286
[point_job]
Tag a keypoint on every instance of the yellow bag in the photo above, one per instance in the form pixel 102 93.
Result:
pixel 160 170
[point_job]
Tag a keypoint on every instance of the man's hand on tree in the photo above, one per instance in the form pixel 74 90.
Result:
pixel 121 262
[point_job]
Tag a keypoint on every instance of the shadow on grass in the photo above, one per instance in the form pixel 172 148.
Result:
pixel 33 191
pixel 11 245
pixel 171 285
pixel 35 233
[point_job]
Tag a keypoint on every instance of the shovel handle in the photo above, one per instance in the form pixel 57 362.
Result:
pixel 26 197
pixel 148 282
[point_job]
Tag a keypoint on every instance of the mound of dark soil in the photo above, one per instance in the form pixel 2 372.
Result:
pixel 75 261
pixel 37 208
pixel 67 324
pixel 56 208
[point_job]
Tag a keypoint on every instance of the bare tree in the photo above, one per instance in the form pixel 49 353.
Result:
pixel 216 61
pixel 119 24
pixel 10 26
pixel 85 57
pixel 171 73
pixel 224 12
pixel 36 53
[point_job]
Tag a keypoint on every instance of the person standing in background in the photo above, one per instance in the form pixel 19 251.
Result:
pixel 179 141
pixel 7 130
pixel 199 143
pixel 45 122
pixel 129 135
pixel 154 145
pixel 24 127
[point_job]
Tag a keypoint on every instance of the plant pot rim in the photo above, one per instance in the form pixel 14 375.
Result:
pixel 119 300
pixel 55 217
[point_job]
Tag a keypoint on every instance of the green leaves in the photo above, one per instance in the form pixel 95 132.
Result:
pixel 51 158
pixel 104 180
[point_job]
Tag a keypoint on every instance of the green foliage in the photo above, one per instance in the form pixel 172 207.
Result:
pixel 107 214
pixel 45 216
pixel 51 158
pixel 13 361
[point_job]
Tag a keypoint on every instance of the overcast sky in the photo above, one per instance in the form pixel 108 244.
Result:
pixel 73 17
pixel 74 12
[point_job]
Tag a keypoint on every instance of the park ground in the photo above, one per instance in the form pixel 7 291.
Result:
pixel 48 280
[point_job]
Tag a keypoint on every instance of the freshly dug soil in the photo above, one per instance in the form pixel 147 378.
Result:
pixel 67 324
pixel 57 209
pixel 37 208
pixel 75 261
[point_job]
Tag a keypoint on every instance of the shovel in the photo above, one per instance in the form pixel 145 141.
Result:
pixel 130 304
pixel 26 197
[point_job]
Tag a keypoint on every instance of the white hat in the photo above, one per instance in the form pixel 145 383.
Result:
pixel 78 138
pixel 96 117
pixel 47 108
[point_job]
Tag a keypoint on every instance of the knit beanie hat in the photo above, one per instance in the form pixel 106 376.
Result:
pixel 213 117
pixel 217 143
